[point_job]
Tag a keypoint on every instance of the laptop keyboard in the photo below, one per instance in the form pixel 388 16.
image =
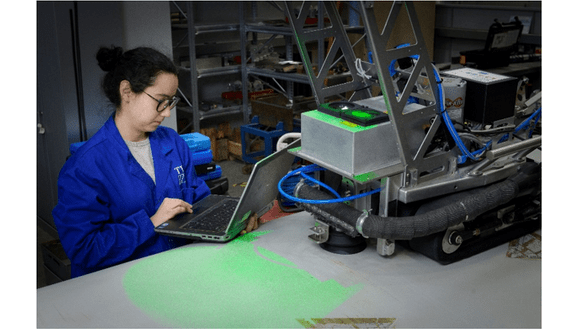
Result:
pixel 216 220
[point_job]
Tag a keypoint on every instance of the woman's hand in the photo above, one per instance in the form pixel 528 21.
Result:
pixel 253 224
pixel 170 208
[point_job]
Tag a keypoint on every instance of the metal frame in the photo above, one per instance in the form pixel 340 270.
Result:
pixel 304 34
pixel 419 175
pixel 408 122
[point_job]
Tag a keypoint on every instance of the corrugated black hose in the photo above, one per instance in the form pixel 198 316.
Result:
pixel 354 222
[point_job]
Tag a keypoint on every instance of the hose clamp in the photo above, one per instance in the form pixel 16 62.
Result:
pixel 466 213
pixel 297 188
pixel 360 221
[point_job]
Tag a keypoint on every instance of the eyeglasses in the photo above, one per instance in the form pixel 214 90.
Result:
pixel 166 103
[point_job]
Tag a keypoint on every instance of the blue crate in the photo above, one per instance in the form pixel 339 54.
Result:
pixel 196 141
pixel 202 157
pixel 217 173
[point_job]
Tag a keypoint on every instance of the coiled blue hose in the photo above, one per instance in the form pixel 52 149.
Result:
pixel 314 168
pixel 447 120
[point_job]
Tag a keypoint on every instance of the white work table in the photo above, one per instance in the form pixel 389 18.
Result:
pixel 282 279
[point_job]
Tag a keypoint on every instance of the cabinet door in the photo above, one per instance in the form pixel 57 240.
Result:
pixel 52 142
pixel 70 104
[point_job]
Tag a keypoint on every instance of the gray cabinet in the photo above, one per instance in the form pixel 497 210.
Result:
pixel 70 105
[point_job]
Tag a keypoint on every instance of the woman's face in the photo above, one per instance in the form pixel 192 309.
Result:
pixel 142 108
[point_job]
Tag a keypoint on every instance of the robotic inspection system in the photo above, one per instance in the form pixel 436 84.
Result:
pixel 394 163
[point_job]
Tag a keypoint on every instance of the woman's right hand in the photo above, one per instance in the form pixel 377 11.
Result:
pixel 169 208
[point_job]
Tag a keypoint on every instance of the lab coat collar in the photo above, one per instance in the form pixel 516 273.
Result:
pixel 159 151
pixel 113 131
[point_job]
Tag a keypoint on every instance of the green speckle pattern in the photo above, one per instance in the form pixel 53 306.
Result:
pixel 236 285
pixel 365 177
pixel 337 121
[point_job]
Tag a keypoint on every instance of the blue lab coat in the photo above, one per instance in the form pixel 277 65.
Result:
pixel 106 199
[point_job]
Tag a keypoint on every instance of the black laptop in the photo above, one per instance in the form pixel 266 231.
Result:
pixel 219 218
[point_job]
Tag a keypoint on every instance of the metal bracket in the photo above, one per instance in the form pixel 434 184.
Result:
pixel 385 247
pixel 320 232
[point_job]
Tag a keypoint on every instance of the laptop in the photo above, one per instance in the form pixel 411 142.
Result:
pixel 219 218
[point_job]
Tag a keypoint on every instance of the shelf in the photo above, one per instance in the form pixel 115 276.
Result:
pixel 214 113
pixel 269 29
pixel 225 111
pixel 479 34
pixel 294 77
pixel 274 32
pixel 209 28
pixel 287 31
pixel 219 71
pixel 488 7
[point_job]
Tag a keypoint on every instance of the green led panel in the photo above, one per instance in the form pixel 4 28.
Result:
pixel 354 113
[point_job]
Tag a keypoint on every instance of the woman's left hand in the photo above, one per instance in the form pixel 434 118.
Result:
pixel 253 224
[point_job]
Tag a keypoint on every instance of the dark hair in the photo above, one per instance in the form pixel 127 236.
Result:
pixel 139 66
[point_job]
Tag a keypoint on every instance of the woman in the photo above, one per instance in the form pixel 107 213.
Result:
pixel 133 174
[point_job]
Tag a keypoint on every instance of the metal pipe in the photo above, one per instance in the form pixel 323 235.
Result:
pixel 512 148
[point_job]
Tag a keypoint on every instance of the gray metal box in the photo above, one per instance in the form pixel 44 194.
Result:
pixel 346 147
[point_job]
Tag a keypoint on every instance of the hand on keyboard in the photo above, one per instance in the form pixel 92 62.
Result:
pixel 169 208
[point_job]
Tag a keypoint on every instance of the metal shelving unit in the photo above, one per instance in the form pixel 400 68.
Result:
pixel 276 36
pixel 189 90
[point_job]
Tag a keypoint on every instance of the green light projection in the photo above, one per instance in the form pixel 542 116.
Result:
pixel 236 285
pixel 337 121
pixel 361 114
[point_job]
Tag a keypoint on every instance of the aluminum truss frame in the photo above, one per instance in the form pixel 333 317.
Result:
pixel 340 47
pixel 410 122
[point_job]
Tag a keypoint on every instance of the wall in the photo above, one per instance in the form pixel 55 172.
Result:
pixel 68 79
pixel 148 23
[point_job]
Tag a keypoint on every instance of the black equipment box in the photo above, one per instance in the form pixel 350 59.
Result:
pixel 489 97
pixel 485 60
pixel 502 40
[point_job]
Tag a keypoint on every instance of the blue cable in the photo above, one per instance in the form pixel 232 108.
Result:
pixel 526 122
pixel 313 168
pixel 534 126
pixel 447 120
pixel 478 153
pixel 320 183
pixel 392 69
pixel 525 125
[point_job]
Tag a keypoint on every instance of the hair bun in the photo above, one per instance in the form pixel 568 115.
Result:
pixel 109 57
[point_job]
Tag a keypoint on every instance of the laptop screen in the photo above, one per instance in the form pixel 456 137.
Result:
pixel 503 37
pixel 262 187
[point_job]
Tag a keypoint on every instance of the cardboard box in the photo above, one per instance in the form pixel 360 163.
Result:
pixel 272 109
